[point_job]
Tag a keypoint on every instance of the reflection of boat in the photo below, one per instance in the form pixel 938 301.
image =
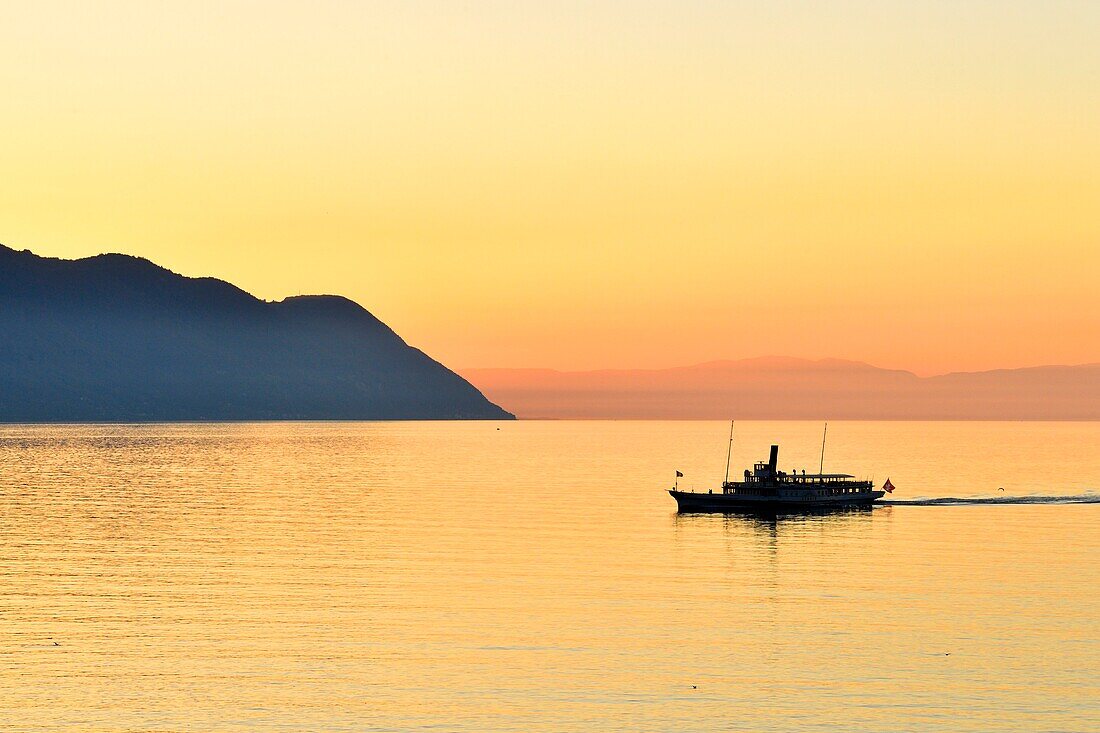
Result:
pixel 767 489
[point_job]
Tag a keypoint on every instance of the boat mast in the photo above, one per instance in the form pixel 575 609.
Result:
pixel 821 466
pixel 729 452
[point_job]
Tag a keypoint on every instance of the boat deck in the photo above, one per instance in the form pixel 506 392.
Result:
pixel 691 501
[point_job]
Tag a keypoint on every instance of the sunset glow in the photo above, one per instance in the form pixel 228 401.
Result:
pixel 581 186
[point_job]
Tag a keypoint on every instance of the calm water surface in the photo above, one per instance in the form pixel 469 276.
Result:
pixel 534 576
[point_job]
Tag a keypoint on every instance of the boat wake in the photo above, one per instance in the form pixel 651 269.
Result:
pixel 979 501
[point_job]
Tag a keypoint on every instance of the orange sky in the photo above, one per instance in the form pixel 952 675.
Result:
pixel 585 185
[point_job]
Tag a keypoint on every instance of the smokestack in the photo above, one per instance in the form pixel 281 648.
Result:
pixel 773 460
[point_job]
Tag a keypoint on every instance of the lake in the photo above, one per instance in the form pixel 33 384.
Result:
pixel 534 576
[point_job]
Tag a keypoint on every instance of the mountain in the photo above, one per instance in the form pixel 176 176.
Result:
pixel 786 388
pixel 117 338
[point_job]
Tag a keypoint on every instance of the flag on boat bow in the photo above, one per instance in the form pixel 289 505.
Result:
pixel 679 475
pixel 888 487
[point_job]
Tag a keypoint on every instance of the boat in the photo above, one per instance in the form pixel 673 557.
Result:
pixel 766 489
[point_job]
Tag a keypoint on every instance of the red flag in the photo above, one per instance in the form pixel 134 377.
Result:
pixel 888 487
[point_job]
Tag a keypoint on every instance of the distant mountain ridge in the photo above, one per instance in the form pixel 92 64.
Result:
pixel 118 338
pixel 790 388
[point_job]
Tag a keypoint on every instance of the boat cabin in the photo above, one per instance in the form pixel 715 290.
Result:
pixel 765 479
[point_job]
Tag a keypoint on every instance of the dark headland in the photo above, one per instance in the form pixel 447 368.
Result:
pixel 116 338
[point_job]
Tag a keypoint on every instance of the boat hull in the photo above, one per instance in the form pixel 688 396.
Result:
pixel 690 502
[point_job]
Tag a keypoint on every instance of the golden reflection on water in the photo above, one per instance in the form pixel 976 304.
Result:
pixel 365 576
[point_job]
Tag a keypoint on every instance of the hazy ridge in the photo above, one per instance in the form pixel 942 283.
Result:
pixel 789 388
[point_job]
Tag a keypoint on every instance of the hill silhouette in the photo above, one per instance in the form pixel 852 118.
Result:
pixel 118 338
pixel 788 388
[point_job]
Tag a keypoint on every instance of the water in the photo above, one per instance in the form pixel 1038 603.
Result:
pixel 457 577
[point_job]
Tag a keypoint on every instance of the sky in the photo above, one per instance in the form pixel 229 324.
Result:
pixel 580 185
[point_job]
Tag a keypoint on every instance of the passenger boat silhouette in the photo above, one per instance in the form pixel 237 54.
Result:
pixel 767 489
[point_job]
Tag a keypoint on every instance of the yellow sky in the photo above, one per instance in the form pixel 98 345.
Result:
pixel 582 185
